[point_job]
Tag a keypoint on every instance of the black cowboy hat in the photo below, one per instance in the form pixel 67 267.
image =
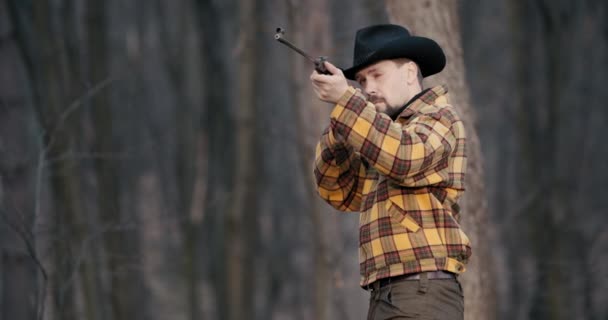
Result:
pixel 389 41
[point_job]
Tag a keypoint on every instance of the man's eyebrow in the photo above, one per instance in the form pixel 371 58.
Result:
pixel 358 75
pixel 371 69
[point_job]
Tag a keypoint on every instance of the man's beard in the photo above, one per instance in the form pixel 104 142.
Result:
pixel 386 108
pixel 376 101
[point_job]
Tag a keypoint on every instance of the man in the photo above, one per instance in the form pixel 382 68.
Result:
pixel 396 154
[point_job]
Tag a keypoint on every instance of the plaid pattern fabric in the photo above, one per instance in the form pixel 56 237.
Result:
pixel 403 176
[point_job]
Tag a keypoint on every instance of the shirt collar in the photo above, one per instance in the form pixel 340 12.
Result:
pixel 424 98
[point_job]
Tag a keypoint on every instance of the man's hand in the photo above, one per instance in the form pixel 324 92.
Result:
pixel 329 88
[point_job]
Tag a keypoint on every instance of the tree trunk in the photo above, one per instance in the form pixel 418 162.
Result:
pixel 218 29
pixel 244 217
pixel 175 54
pixel 23 277
pixel 54 82
pixel 439 21
pixel 120 240
pixel 309 26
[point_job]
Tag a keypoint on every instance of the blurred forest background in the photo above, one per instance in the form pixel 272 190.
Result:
pixel 156 157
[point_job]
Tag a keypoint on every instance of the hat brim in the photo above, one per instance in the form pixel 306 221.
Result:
pixel 425 52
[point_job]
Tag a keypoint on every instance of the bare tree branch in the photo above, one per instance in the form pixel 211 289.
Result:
pixel 27 238
pixel 75 105
pixel 84 246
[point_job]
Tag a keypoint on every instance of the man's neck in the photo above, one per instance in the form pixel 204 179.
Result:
pixel 398 111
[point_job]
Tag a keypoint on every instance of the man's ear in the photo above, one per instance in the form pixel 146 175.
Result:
pixel 412 72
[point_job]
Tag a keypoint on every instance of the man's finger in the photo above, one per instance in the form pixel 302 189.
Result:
pixel 318 78
pixel 331 68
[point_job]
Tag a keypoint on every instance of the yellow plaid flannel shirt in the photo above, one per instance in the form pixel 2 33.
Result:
pixel 403 176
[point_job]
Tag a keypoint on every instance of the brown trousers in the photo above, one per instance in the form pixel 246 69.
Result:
pixel 435 299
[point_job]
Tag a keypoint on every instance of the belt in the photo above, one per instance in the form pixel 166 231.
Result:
pixel 440 274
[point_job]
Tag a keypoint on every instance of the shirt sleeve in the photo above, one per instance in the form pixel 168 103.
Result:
pixel 397 151
pixel 339 173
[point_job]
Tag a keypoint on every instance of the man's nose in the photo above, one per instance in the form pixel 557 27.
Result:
pixel 369 88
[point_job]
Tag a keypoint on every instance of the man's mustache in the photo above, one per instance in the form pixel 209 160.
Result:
pixel 374 99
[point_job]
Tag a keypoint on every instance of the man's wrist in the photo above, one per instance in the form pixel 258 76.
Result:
pixel 348 93
pixel 339 108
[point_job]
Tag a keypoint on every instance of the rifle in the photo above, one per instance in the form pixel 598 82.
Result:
pixel 318 62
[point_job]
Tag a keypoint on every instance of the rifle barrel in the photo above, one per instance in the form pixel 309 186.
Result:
pixel 279 37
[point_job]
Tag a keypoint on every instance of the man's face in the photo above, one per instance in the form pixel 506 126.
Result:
pixel 387 83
